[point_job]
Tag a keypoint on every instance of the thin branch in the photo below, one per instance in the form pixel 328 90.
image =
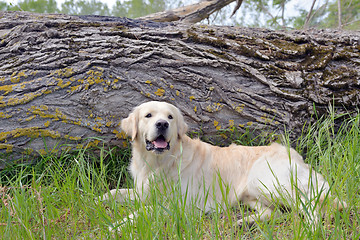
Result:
pixel 269 13
pixel 238 5
pixel 309 15
pixel 350 3
pixel 348 23
pixel 339 13
pixel 283 14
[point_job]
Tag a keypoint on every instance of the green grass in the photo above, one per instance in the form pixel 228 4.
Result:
pixel 55 198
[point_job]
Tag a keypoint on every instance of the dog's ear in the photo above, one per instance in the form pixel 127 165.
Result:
pixel 181 125
pixel 130 124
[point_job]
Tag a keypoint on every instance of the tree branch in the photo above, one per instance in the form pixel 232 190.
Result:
pixel 339 14
pixel 309 15
pixel 192 13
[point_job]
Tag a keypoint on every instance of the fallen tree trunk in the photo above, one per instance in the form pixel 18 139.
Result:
pixel 67 79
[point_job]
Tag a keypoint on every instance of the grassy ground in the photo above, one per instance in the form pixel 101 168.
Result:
pixel 55 198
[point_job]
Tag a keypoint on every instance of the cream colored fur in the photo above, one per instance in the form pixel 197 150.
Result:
pixel 259 177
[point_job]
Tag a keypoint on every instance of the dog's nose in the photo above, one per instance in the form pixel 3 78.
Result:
pixel 162 125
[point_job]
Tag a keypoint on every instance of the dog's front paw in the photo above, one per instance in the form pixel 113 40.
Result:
pixel 116 227
pixel 111 195
pixel 104 197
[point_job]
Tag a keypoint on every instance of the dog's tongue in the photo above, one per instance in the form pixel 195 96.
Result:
pixel 160 143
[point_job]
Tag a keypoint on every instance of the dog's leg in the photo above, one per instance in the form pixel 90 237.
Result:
pixel 263 213
pixel 119 195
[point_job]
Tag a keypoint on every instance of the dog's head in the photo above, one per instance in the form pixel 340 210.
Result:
pixel 156 125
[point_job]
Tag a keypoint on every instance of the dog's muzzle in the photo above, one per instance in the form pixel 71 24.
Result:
pixel 159 144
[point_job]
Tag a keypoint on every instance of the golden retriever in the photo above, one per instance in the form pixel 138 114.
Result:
pixel 259 177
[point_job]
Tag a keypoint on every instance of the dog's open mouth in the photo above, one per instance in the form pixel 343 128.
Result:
pixel 159 144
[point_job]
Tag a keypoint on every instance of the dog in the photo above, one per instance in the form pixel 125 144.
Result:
pixel 258 177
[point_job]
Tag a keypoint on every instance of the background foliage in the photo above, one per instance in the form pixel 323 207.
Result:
pixel 253 13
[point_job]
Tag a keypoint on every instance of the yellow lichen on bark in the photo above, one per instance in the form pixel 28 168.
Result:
pixel 31 132
pixel 8 147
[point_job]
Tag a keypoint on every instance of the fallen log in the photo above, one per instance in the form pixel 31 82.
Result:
pixel 67 81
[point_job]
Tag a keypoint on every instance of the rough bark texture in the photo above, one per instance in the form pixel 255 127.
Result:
pixel 66 79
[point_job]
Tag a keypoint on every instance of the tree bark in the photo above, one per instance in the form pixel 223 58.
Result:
pixel 67 81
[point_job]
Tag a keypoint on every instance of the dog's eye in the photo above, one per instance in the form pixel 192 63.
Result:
pixel 170 117
pixel 148 115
